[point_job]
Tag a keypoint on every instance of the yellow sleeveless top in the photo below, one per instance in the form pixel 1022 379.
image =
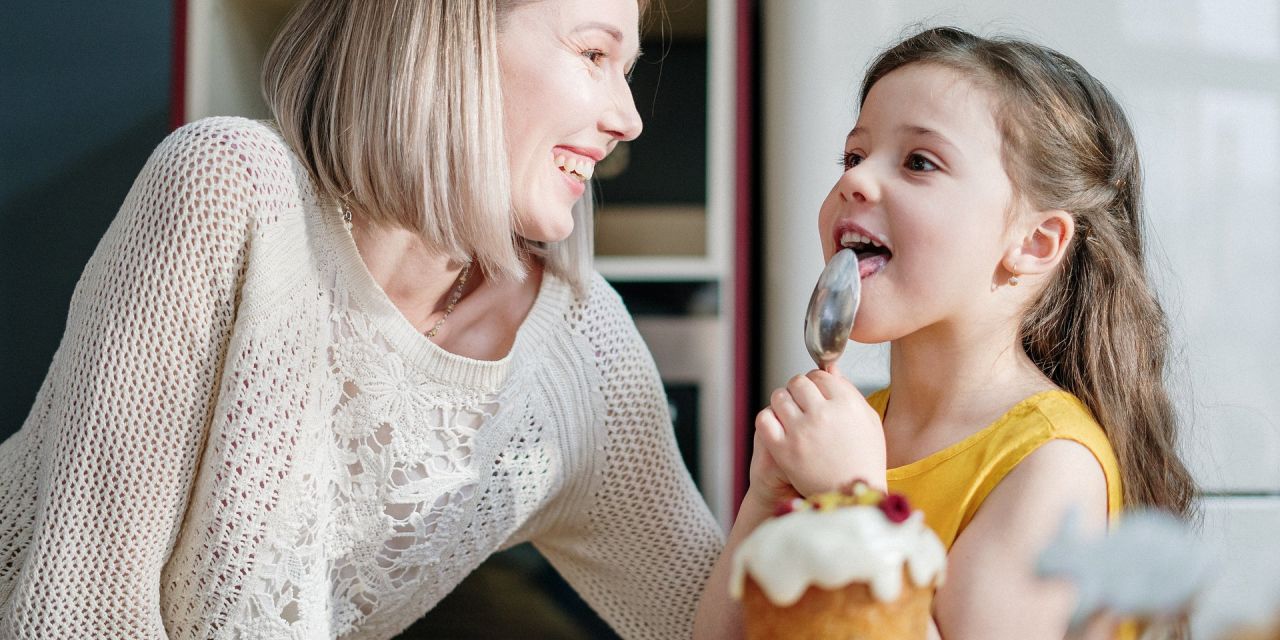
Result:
pixel 950 485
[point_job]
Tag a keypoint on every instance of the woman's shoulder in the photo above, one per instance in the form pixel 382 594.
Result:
pixel 602 313
pixel 222 170
pixel 231 137
pixel 594 310
pixel 593 304
pixel 232 152
pixel 604 296
pixel 213 192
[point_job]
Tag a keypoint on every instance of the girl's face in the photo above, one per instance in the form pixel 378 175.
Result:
pixel 566 102
pixel 923 200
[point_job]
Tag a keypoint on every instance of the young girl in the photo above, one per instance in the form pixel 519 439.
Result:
pixel 992 191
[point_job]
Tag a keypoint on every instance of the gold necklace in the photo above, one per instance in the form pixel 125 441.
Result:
pixel 453 297
pixel 453 300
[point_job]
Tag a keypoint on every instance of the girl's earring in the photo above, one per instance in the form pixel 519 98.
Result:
pixel 1013 280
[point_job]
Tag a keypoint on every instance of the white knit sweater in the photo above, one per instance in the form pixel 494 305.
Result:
pixel 241 437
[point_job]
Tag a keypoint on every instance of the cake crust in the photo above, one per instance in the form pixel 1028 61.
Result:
pixel 848 613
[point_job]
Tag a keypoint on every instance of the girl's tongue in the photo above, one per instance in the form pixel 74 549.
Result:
pixel 870 263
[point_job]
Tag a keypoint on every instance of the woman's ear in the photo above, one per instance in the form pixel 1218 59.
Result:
pixel 1043 244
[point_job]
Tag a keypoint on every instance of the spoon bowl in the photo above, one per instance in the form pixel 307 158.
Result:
pixel 832 307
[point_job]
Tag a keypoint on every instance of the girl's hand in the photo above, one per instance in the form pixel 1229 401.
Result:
pixel 769 485
pixel 821 434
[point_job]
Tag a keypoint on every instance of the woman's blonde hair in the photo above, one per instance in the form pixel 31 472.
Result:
pixel 395 108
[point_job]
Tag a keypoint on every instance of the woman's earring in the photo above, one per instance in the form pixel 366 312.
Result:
pixel 1013 280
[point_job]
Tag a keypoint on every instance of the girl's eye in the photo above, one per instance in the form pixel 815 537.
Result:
pixel 594 55
pixel 849 160
pixel 917 162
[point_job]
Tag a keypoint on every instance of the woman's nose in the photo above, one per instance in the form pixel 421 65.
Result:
pixel 622 120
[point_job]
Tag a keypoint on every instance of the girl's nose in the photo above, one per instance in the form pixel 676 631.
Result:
pixel 857 185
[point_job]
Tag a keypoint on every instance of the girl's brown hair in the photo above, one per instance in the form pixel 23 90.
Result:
pixel 1097 329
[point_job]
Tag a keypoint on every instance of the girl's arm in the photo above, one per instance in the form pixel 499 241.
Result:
pixel 719 616
pixel 817 434
pixel 991 590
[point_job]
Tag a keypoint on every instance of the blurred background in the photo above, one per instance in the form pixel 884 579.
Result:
pixel 707 224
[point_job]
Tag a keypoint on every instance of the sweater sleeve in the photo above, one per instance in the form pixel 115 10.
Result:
pixel 94 485
pixel 641 543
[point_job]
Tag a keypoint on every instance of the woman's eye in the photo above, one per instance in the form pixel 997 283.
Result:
pixel 849 160
pixel 594 55
pixel 917 162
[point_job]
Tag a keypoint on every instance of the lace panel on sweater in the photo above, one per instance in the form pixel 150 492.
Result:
pixel 370 513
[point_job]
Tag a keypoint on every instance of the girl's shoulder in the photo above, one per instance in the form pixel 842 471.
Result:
pixel 1063 416
pixel 1053 433
pixel 996 448
pixel 1047 415
pixel 1043 417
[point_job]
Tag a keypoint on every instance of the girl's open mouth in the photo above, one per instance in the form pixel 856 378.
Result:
pixel 873 255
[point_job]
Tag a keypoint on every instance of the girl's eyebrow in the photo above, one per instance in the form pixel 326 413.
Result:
pixel 910 129
pixel 915 129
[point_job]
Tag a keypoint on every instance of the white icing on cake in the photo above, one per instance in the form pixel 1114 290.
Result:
pixel 834 548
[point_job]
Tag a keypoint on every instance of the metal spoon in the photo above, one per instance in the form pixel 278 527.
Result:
pixel 832 307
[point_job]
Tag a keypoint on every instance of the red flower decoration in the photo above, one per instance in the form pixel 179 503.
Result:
pixel 895 508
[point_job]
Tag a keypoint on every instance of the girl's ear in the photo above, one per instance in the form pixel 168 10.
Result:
pixel 1043 245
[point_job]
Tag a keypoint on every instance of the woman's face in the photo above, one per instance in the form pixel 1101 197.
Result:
pixel 924 179
pixel 567 102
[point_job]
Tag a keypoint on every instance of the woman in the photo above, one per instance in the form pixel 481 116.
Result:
pixel 316 373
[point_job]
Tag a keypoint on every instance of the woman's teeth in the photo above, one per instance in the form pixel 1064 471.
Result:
pixel 576 167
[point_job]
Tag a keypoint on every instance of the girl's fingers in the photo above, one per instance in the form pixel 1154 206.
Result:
pixel 784 406
pixel 805 393
pixel 768 428
pixel 831 385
